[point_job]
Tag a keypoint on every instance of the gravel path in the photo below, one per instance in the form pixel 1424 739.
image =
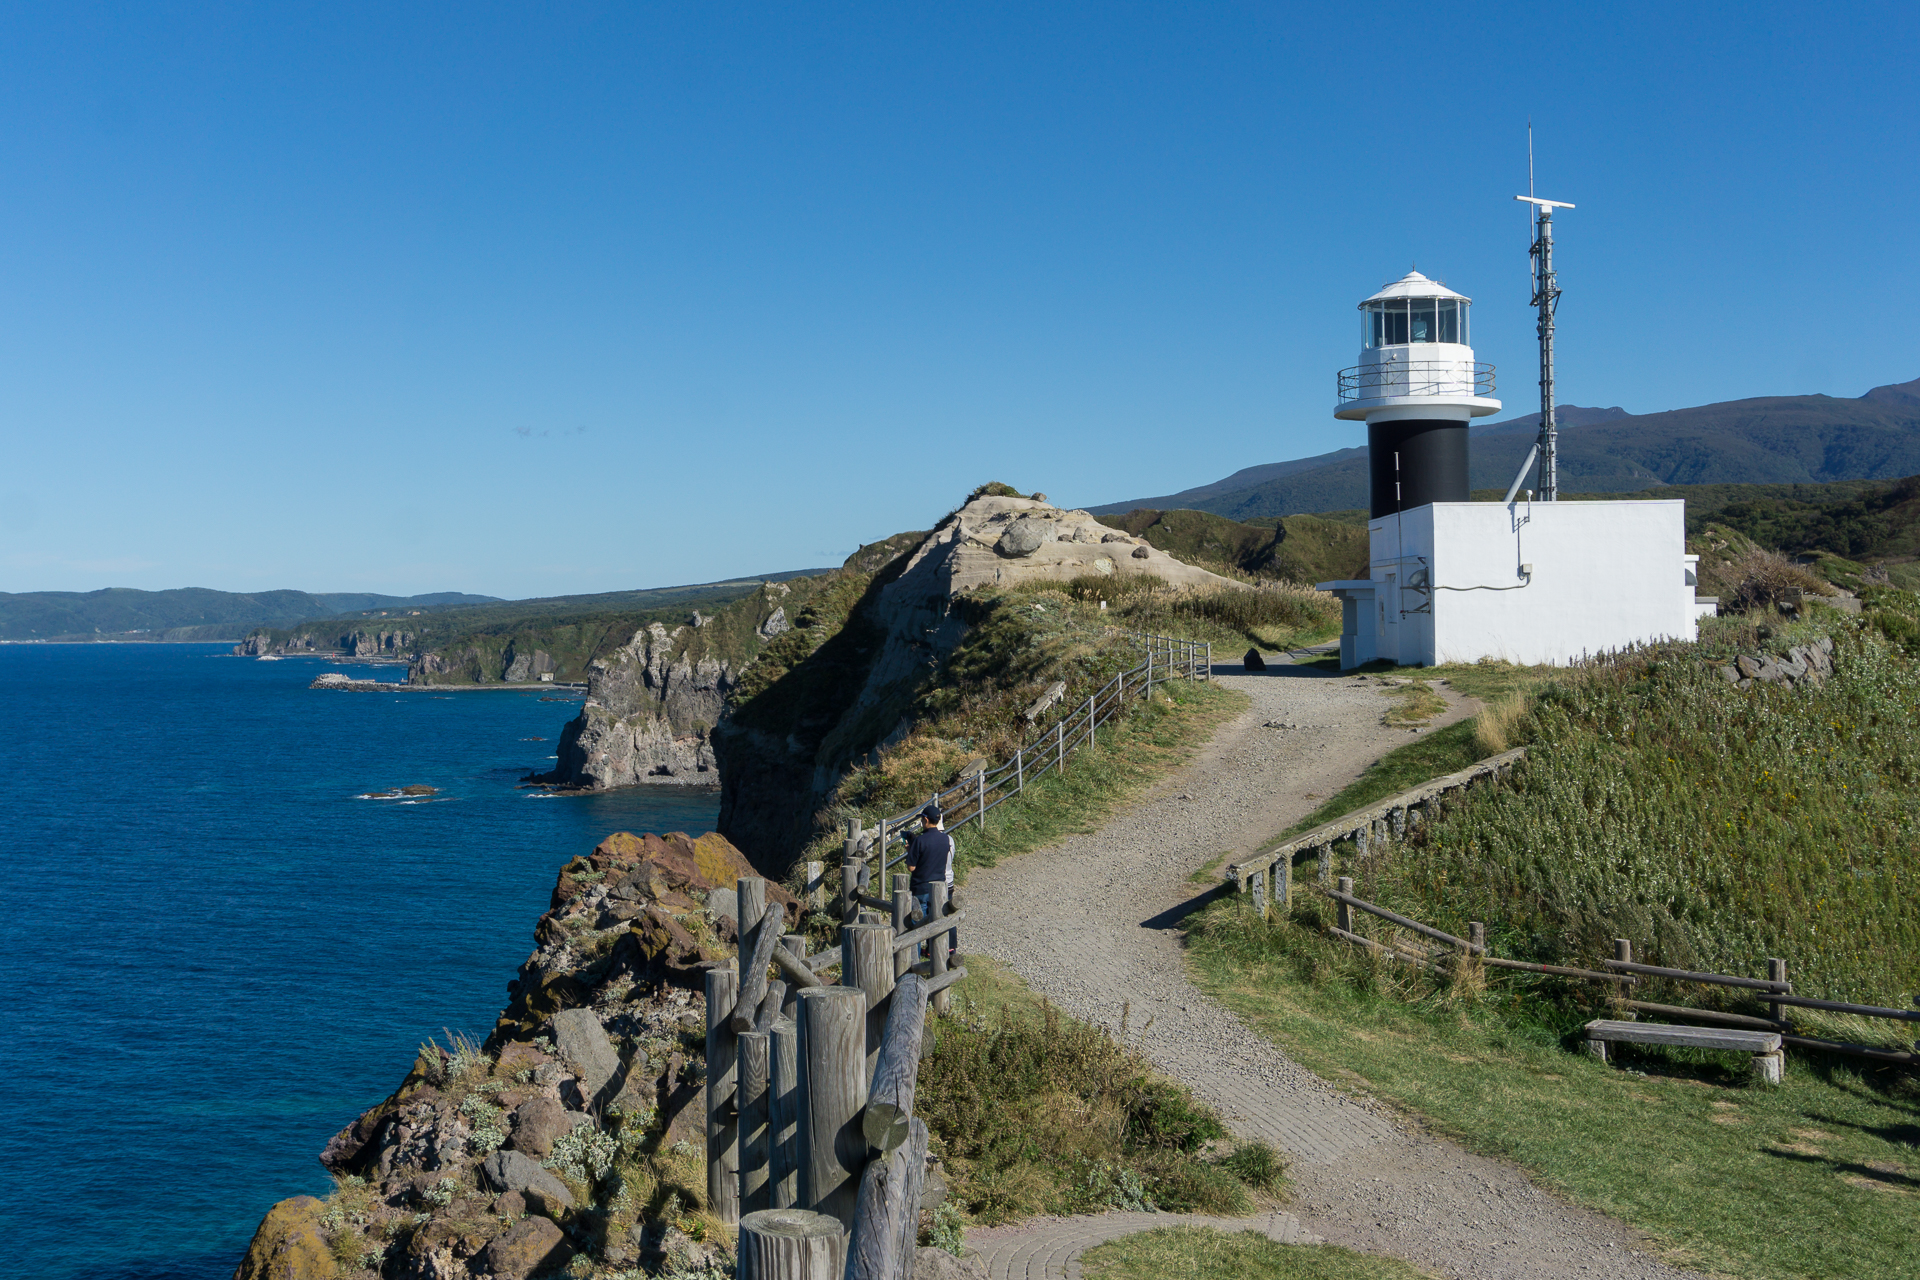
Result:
pixel 1091 923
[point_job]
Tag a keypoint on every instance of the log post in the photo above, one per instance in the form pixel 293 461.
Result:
pixel 750 895
pixel 833 1087
pixel 938 946
pixel 795 945
pixel 723 1154
pixel 1777 972
pixel 817 886
pixel 791 1244
pixel 754 1130
pixel 902 921
pixel 783 1114
pixel 849 892
pixel 1477 935
pixel 754 961
pixel 887 1217
pixel 1343 912
pixel 866 962
pixel 890 1095
pixel 1623 950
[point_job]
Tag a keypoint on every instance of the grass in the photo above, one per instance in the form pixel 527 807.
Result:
pixel 1035 1112
pixel 1131 754
pixel 1413 703
pixel 1204 1253
pixel 1430 756
pixel 1819 1177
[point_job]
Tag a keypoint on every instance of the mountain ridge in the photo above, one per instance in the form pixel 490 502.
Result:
pixel 1759 440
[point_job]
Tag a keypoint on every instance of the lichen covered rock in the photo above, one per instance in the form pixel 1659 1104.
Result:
pixel 289 1245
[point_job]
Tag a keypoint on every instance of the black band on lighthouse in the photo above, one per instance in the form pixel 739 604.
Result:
pixel 1414 461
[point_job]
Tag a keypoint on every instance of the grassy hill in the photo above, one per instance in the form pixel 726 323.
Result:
pixel 1767 440
pixel 124 613
pixel 1294 548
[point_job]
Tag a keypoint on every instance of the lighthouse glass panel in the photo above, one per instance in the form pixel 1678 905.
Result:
pixel 1423 325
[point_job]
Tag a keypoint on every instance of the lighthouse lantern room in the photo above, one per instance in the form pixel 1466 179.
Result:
pixel 1451 580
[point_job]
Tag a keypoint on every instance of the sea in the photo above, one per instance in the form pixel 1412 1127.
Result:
pixel 216 951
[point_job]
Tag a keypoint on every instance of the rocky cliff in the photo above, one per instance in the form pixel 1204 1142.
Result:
pixel 870 662
pixel 574 1133
pixel 652 703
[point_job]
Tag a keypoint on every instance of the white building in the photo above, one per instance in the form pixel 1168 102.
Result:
pixel 1455 581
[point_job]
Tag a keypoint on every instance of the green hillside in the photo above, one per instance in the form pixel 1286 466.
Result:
pixel 212 615
pixel 1294 549
pixel 1773 440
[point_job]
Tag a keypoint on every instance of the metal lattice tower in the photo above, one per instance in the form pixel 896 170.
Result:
pixel 1546 300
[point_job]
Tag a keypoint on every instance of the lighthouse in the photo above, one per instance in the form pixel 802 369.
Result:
pixel 1451 580
pixel 1416 387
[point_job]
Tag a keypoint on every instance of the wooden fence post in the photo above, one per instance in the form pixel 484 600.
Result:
pixel 833 1083
pixel 1344 913
pixel 1623 950
pixel 1777 972
pixel 783 1114
pixel 902 920
pixel 937 945
pixel 1477 935
pixel 880 843
pixel 795 945
pixel 888 1216
pixel 816 886
pixel 866 962
pixel 849 892
pixel 723 1154
pixel 791 1244
pixel 754 1130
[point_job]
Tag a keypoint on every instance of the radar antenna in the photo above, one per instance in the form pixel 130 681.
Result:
pixel 1546 299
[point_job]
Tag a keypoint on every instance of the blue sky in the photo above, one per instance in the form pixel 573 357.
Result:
pixel 539 299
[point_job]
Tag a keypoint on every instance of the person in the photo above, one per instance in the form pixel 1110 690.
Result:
pixel 930 860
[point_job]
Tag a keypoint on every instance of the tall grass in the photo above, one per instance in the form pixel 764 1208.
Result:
pixel 1037 1112
pixel 1268 613
pixel 1712 826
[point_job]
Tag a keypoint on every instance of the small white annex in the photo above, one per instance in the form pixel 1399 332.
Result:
pixel 1524 582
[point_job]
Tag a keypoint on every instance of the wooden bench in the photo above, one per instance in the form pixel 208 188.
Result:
pixel 1768 1062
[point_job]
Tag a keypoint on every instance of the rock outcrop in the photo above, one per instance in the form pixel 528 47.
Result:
pixel 503 1159
pixel 777 772
pixel 651 706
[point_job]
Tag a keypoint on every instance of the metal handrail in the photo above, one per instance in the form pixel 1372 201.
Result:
pixel 1416 378
pixel 1168 658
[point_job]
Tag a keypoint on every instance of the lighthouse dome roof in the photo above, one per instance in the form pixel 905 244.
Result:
pixel 1414 285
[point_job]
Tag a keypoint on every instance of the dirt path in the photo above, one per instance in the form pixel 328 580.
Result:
pixel 1091 923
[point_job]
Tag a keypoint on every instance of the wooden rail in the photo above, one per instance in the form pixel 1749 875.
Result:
pixel 1270 871
pixel 1774 989
pixel 977 794
pixel 813 1148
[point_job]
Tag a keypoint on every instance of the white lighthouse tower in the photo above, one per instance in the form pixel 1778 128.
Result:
pixel 1449 580
pixel 1416 387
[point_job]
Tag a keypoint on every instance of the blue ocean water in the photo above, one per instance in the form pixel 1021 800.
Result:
pixel 214 955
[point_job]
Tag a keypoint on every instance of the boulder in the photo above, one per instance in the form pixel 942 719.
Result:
pixel 930 1263
pixel 1749 667
pixel 1025 536
pixel 507 1170
pixel 1729 674
pixel 582 1042
pixel 723 902
pixel 510 1204
pixel 538 1122
pixel 529 1245
pixel 1141 553
pixel 1253 661
pixel 289 1245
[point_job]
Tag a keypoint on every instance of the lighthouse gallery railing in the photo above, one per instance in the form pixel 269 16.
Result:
pixel 1415 378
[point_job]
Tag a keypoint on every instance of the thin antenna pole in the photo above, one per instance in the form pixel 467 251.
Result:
pixel 1529 157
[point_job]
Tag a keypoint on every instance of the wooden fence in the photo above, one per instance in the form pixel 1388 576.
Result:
pixel 1774 990
pixel 1271 869
pixel 812 1144
pixel 977 794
